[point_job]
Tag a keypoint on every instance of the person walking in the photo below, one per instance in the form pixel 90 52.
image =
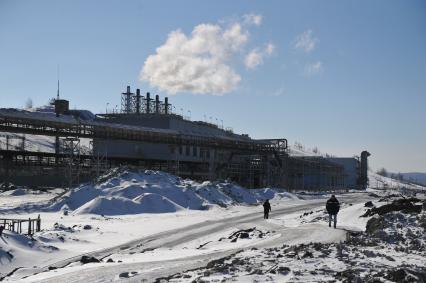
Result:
pixel 332 206
pixel 266 209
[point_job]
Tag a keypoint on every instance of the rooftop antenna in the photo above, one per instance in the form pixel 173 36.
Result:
pixel 57 95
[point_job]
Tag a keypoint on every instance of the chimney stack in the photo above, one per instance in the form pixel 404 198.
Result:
pixel 138 101
pixel 126 101
pixel 157 104
pixel 148 102
pixel 166 105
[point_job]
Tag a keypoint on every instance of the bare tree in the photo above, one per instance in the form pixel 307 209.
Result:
pixel 382 172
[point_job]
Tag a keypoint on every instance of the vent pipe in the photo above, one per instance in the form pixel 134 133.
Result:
pixel 126 101
pixel 138 101
pixel 157 104
pixel 166 105
pixel 148 102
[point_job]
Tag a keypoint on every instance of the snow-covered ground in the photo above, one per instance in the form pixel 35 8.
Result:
pixel 153 226
pixel 386 183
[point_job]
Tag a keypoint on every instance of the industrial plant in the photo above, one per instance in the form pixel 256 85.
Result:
pixel 147 133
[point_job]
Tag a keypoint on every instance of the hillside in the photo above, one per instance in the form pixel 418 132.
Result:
pixel 417 177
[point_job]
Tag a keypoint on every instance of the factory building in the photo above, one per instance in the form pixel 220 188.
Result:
pixel 222 158
pixel 355 170
pixel 351 169
pixel 147 133
pixel 308 173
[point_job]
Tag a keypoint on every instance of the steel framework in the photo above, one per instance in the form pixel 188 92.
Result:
pixel 84 129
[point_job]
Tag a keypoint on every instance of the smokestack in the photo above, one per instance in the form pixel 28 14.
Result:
pixel 138 101
pixel 127 97
pixel 148 102
pixel 157 104
pixel 166 105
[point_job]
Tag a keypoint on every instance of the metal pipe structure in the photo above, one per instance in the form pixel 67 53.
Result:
pixel 148 102
pixel 138 101
pixel 126 101
pixel 166 105
pixel 17 122
pixel 157 104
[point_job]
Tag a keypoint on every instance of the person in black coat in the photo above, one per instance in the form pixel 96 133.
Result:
pixel 332 208
pixel 266 209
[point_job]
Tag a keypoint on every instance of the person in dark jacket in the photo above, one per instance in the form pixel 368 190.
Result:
pixel 332 207
pixel 266 209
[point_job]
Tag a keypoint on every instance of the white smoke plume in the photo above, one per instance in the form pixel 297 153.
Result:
pixel 202 62
pixel 198 63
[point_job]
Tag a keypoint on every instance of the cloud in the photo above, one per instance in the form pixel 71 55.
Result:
pixel 305 41
pixel 270 48
pixel 255 57
pixel 198 63
pixel 252 19
pixel 314 68
pixel 279 92
pixel 202 62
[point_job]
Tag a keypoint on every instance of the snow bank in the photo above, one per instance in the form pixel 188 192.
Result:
pixel 154 203
pixel 20 249
pixel 378 182
pixel 145 203
pixel 16 192
pixel 125 191
pixel 109 206
pixel 268 193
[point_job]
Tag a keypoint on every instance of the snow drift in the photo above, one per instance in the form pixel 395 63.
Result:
pixel 124 191
pixel 145 203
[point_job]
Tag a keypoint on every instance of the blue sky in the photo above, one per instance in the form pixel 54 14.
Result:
pixel 340 75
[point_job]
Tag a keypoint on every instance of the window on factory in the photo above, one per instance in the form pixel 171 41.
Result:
pixel 187 151
pixel 208 153
pixel 180 150
pixel 194 151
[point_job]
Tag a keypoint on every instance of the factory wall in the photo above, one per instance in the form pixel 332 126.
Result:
pixel 314 173
pixel 173 122
pixel 144 120
pixel 351 170
pixel 131 149
pixel 143 150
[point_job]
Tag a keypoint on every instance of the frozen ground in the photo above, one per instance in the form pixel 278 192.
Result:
pixel 378 181
pixel 208 232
